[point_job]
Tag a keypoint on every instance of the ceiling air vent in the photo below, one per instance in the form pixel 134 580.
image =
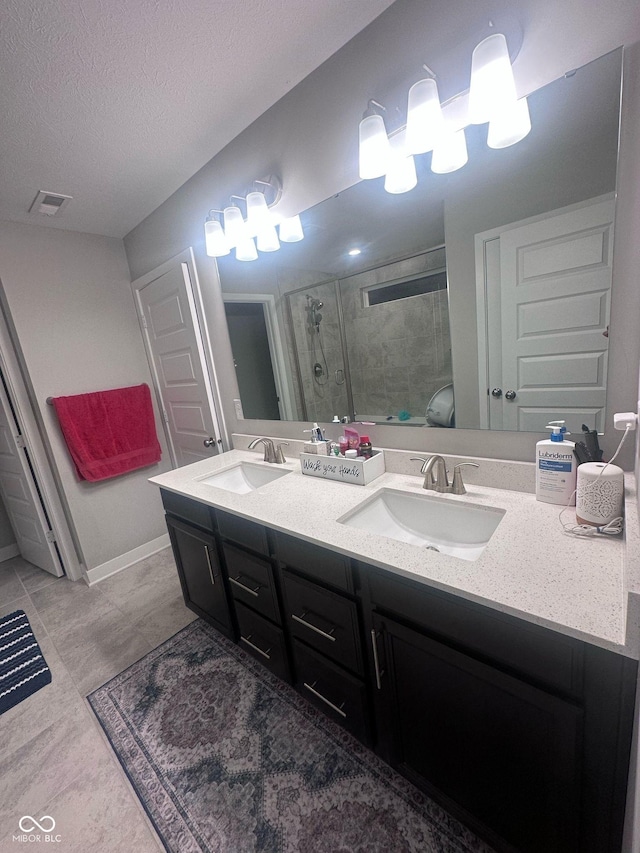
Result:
pixel 49 203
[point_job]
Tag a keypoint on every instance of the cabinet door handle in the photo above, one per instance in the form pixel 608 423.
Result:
pixel 302 621
pixel 260 651
pixel 244 587
pixel 376 662
pixel 206 551
pixel 324 699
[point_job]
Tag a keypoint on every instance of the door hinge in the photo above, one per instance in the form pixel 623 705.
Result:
pixel 50 536
pixel 143 320
pixel 165 416
pixel 20 442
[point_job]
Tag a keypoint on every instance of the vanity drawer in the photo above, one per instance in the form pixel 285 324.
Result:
pixel 264 641
pixel 324 620
pixel 188 509
pixel 318 563
pixel 242 531
pixel 528 650
pixel 251 581
pixel 341 696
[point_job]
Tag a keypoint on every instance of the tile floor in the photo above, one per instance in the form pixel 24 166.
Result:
pixel 54 759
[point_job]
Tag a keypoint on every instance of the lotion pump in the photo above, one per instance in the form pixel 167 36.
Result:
pixel 556 467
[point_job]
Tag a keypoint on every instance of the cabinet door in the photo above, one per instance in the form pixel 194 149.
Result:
pixel 200 575
pixel 499 752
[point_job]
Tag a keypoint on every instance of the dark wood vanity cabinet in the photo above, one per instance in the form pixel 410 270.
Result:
pixel 521 732
pixel 323 619
pixel 203 584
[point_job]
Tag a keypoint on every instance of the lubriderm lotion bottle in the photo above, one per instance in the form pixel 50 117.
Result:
pixel 556 467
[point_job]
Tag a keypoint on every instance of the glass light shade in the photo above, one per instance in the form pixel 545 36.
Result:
pixel 401 172
pixel 425 124
pixel 267 239
pixel 450 153
pixel 216 243
pixel 246 250
pixel 492 87
pixel 374 147
pixel 291 230
pixel 258 213
pixel 510 126
pixel 234 227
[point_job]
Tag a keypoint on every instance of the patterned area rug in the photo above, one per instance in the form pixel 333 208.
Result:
pixel 227 758
pixel 23 669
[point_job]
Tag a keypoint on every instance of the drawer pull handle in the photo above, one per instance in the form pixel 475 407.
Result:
pixel 376 662
pixel 244 587
pixel 260 651
pixel 311 687
pixel 206 551
pixel 302 621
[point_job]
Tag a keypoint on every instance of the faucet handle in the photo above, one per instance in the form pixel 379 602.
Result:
pixel 280 457
pixel 429 482
pixel 457 486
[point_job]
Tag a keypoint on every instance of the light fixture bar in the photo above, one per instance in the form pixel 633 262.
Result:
pixel 258 228
pixel 439 127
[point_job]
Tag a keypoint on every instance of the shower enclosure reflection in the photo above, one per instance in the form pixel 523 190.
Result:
pixel 397 353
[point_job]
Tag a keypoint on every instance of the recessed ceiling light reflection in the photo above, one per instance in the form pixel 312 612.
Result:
pixel 353 252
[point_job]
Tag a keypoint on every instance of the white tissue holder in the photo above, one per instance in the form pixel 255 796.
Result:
pixel 361 472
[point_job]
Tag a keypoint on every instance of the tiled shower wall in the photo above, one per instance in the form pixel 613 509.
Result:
pixel 324 395
pixel 399 352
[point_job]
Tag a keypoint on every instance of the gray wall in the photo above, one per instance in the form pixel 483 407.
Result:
pixel 309 138
pixel 71 305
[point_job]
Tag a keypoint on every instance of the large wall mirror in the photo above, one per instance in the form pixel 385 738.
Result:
pixel 480 299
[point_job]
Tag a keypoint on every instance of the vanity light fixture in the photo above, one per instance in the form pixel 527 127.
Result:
pixel 492 89
pixel 216 243
pixel 401 169
pixel 258 228
pixel 450 154
pixel 234 227
pixel 374 148
pixel 439 128
pixel 291 229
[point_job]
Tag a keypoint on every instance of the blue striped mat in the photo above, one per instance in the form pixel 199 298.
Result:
pixel 23 670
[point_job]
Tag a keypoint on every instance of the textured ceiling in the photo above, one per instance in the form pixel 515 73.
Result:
pixel 118 103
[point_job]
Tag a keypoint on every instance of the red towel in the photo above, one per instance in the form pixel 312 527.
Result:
pixel 109 432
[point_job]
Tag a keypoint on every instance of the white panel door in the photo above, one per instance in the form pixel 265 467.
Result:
pixel 175 347
pixel 20 496
pixel 555 293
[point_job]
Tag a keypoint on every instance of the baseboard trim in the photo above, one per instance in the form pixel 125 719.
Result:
pixel 8 552
pixel 112 567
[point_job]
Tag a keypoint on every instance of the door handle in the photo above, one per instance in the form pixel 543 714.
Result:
pixel 376 662
pixel 497 392
pixel 510 395
pixel 208 442
pixel 206 551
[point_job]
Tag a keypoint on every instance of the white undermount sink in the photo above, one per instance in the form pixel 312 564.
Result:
pixel 458 529
pixel 244 477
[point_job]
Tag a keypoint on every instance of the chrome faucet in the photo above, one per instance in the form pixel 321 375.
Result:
pixel 270 454
pixel 440 482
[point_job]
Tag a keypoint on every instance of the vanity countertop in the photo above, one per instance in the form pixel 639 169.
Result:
pixel 529 569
